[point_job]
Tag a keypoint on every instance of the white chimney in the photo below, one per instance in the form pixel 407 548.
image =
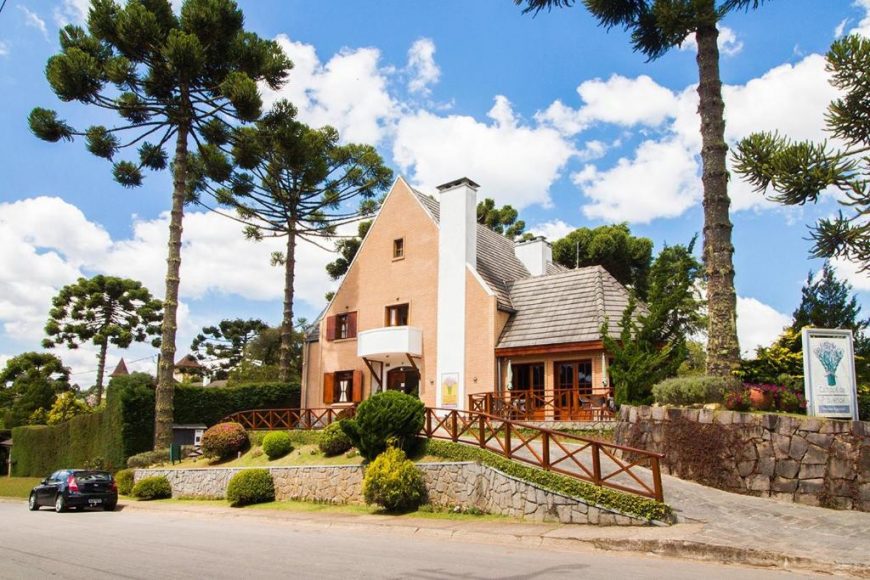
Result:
pixel 535 254
pixel 457 250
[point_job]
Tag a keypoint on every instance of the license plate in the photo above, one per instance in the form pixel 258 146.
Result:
pixel 95 501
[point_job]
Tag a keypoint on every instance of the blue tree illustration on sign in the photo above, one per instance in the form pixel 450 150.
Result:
pixel 830 355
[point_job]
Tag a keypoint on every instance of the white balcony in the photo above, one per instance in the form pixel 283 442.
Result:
pixel 390 344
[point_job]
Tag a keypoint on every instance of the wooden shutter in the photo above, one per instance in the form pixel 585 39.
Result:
pixel 330 328
pixel 328 388
pixel 351 324
pixel 357 386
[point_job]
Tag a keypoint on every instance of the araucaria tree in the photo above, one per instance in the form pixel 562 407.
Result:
pixel 799 171
pixel 502 220
pixel 103 310
pixel 656 26
pixel 224 346
pixel 293 182
pixel 169 77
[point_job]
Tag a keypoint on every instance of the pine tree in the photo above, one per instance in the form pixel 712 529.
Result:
pixel 293 182
pixel 656 27
pixel 103 310
pixel 503 220
pixel 347 249
pixel 222 347
pixel 183 77
pixel 799 172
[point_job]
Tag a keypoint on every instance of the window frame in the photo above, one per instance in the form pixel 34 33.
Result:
pixel 399 249
pixel 397 307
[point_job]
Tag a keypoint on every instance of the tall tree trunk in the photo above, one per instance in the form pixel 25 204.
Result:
pixel 165 382
pixel 101 369
pixel 287 321
pixel 723 351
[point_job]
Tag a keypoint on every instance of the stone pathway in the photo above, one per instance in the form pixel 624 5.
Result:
pixel 712 516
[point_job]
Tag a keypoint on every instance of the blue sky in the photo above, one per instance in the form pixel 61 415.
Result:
pixel 552 114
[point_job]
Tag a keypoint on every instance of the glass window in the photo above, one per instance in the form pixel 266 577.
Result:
pixel 528 376
pixel 397 315
pixel 576 376
pixel 398 248
pixel 342 326
pixel 343 387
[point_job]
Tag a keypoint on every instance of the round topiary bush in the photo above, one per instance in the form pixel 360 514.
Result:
pixel 385 416
pixel 224 440
pixel 277 444
pixel 251 486
pixel 698 390
pixel 155 487
pixel 393 482
pixel 124 481
pixel 334 441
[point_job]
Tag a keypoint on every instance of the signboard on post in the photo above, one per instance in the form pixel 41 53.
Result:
pixel 829 373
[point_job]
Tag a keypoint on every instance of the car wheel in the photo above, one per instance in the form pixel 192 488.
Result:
pixel 32 505
pixel 59 504
pixel 110 507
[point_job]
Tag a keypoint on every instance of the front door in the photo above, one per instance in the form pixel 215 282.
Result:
pixel 405 380
pixel 573 390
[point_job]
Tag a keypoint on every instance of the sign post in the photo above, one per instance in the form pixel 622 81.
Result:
pixel 829 373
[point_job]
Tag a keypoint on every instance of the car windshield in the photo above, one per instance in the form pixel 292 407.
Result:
pixel 93 476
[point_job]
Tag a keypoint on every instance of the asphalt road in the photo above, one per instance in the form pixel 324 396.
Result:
pixel 140 544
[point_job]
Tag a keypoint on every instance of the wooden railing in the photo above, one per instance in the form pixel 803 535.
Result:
pixel 622 468
pixel 614 466
pixel 274 419
pixel 535 405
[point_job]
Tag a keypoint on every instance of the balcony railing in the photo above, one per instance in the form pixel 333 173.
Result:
pixel 536 405
pixel 389 340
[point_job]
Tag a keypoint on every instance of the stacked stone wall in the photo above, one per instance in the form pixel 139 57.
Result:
pixel 807 460
pixel 448 485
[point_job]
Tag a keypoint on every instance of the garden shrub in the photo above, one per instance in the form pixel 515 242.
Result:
pixel 277 444
pixel 393 482
pixel 737 400
pixel 385 416
pixel 224 440
pixel 334 441
pixel 154 487
pixel 209 404
pixel 148 458
pixel 251 486
pixel 124 480
pixel 691 390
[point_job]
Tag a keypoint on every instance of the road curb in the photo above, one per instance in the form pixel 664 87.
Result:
pixel 663 547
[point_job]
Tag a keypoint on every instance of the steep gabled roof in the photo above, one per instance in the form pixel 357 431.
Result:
pixel 497 263
pixel 566 307
pixel 120 370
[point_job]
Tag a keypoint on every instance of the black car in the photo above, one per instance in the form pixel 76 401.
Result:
pixel 78 488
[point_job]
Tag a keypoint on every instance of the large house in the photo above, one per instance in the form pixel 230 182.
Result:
pixel 443 308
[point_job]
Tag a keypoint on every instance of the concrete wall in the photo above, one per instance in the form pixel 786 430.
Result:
pixel 790 458
pixel 448 484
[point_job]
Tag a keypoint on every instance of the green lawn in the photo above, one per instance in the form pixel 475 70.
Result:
pixel 17 486
pixel 326 508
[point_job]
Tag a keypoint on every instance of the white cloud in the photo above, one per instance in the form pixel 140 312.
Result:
pixel 349 92
pixel 661 180
pixel 729 44
pixel 552 230
pixel 514 163
pixel 840 30
pixel 618 100
pixel 4 48
pixel 850 272
pixel 71 12
pixel 863 27
pixel 422 66
pixel 33 20
pixel 758 324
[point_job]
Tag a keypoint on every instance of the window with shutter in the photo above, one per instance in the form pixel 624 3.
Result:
pixel 357 386
pixel 328 388
pixel 330 328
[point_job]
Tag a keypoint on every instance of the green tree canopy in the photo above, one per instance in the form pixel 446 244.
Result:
pixel 65 407
pixel 294 182
pixel 29 382
pixel 626 257
pixel 653 344
pixel 798 172
pixel 222 347
pixel 503 220
pixel 347 249
pixel 103 310
pixel 187 76
pixel 657 26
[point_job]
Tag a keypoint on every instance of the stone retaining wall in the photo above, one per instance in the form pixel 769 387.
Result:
pixel 807 460
pixel 448 484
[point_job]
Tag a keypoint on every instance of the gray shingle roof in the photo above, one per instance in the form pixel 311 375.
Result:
pixel 497 263
pixel 566 307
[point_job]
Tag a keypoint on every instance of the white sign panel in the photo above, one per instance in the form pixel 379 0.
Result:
pixel 829 373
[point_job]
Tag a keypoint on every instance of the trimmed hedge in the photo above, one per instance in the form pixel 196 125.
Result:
pixel 154 487
pixel 124 479
pixel 277 444
pixel 224 440
pixel 334 440
pixel 251 486
pixel 633 505
pixel 393 482
pixel 126 426
pixel 387 416
pixel 691 390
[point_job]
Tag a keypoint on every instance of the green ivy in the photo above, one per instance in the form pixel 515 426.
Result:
pixel 623 502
